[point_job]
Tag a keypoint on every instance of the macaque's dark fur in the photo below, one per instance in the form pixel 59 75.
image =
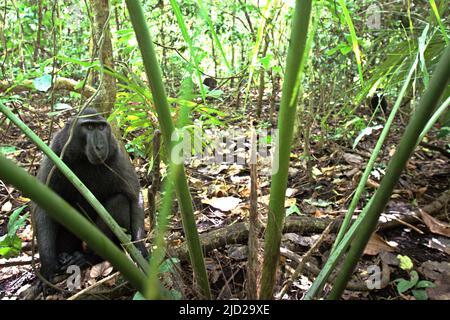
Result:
pixel 111 179
pixel 379 98
pixel 211 83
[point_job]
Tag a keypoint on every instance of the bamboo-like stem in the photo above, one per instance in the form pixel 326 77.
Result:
pixel 423 113
pixel 153 72
pixel 288 107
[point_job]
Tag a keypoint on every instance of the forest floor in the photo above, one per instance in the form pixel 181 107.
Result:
pixel 221 197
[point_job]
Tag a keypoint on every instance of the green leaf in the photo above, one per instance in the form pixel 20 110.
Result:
pixel 168 264
pixel 277 69
pixel 345 50
pixel 62 106
pixel 176 295
pixel 425 284
pixel 332 51
pixel 414 277
pixel 265 61
pixel 405 262
pixel 15 222
pixel 404 285
pixel 10 246
pixel 443 132
pixel 7 150
pixel 318 203
pixel 216 94
pixel 43 83
pixel 293 209
pixel 138 296
pixel 86 64
pixel 356 121
pixel 420 294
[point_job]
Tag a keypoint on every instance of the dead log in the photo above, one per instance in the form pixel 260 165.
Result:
pixel 238 233
pixel 60 83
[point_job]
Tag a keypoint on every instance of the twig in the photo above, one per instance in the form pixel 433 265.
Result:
pixel 305 257
pixel 156 178
pixel 95 285
pixel 253 248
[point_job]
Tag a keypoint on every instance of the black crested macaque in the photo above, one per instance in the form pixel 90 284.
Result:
pixel 379 99
pixel 94 156
pixel 211 83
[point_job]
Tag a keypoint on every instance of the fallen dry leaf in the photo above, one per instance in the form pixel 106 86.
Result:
pixel 224 203
pixel 376 245
pixel 7 207
pixel 101 269
pixel 439 273
pixel 434 225
pixel 290 192
pixel 234 169
pixel 290 202
pixel 352 158
pixel 23 199
pixel 245 192
pixel 318 214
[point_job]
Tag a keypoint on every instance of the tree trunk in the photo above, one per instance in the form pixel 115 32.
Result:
pixel 106 96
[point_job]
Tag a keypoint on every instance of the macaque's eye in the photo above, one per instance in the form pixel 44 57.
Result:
pixel 90 126
pixel 101 127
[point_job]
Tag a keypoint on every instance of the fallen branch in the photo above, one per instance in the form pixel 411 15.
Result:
pixel 60 83
pixel 238 233
pixel 311 271
pixel 93 289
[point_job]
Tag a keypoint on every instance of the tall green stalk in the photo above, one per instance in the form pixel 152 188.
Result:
pixel 286 119
pixel 255 51
pixel 439 112
pixel 153 71
pixel 66 215
pixel 187 38
pixel 421 116
pixel 355 46
pixel 439 20
pixel 166 207
pixel 205 16
pixel 362 183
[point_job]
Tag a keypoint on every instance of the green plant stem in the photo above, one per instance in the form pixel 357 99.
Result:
pixel 166 206
pixel 362 183
pixel 295 59
pixel 434 118
pixel 205 16
pixel 355 46
pixel 63 213
pixel 255 51
pixel 424 111
pixel 335 255
pixel 153 71
pixel 187 38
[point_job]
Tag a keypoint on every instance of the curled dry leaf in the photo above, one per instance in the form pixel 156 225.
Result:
pixel 376 245
pixel 101 269
pixel 434 225
pixel 224 203
pixel 439 273
pixel 7 207
pixel 352 158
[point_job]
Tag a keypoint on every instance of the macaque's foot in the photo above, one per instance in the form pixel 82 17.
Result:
pixel 76 258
